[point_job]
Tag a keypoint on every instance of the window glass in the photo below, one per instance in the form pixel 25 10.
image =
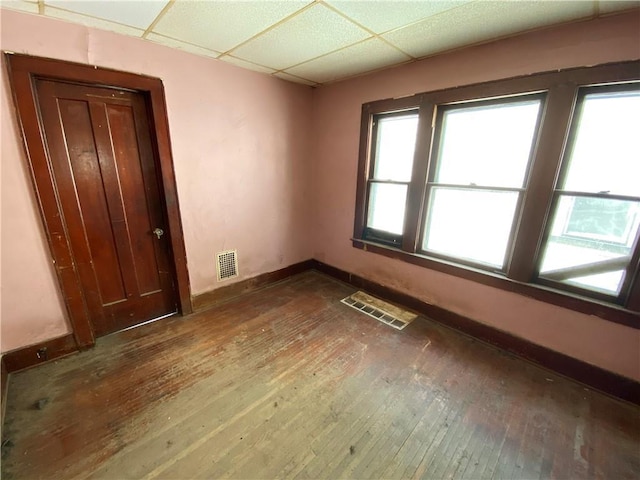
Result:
pixel 482 147
pixel 473 225
pixel 395 147
pixel 487 145
pixel 386 207
pixel 605 155
pixel 590 242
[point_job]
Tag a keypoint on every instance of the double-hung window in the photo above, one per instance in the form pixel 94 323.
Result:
pixel 393 150
pixel 478 177
pixel 593 229
pixel 529 184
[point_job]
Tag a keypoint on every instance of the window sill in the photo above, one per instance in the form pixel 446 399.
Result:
pixel 606 311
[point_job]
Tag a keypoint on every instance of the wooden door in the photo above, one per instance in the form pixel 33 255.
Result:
pixel 104 169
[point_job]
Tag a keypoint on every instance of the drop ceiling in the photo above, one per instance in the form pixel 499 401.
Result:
pixel 316 42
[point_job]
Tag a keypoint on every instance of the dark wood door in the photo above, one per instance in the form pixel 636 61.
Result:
pixel 102 160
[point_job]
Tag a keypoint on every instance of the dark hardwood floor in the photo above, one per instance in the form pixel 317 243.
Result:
pixel 287 382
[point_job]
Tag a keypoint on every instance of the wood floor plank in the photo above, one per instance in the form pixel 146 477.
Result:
pixel 472 380
pixel 287 382
pixel 241 428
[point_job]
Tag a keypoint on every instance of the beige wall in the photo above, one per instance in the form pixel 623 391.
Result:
pixel 240 144
pixel 337 123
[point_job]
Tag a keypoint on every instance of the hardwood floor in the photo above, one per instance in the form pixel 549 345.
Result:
pixel 287 382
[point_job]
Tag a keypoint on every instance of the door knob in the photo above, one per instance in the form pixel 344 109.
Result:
pixel 158 232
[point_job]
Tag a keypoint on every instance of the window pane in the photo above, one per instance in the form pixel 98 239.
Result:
pixel 605 156
pixel 590 242
pixel 487 145
pixel 473 225
pixel 395 147
pixel 386 207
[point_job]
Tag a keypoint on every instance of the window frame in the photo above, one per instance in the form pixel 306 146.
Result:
pixel 438 126
pixel 377 235
pixel 558 191
pixel 560 91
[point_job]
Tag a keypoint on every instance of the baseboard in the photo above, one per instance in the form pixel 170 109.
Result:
pixel 39 353
pixel 590 375
pixel 4 386
pixel 595 377
pixel 213 297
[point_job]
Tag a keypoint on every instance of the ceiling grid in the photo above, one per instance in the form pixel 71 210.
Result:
pixel 314 42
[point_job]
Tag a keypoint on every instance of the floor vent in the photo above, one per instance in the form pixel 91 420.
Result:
pixel 383 311
pixel 227 265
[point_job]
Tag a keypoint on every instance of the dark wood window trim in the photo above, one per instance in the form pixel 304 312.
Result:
pixel 631 264
pixel 432 167
pixel 23 70
pixel 381 236
pixel 561 90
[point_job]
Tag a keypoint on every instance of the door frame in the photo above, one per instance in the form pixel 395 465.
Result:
pixel 23 71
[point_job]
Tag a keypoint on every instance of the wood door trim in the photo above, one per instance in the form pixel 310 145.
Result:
pixel 23 70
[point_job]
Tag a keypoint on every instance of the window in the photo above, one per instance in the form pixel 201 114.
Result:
pixel 481 162
pixel 596 210
pixel 529 184
pixel 393 151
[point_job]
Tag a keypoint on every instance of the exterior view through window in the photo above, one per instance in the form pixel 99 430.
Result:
pixel 533 180
pixel 597 204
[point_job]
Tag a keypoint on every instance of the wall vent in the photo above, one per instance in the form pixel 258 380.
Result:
pixel 227 264
pixel 380 310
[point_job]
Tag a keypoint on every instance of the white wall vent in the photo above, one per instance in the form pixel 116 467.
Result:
pixel 227 264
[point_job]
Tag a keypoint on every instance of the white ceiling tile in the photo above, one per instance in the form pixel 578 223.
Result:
pixel 314 32
pixel 92 22
pixel 138 13
pixel 363 57
pixel 294 79
pixel 309 39
pixel 187 47
pixel 23 6
pixel 610 6
pixel 483 21
pixel 221 25
pixel 381 16
pixel 248 65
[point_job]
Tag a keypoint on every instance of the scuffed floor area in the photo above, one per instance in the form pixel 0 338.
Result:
pixel 287 382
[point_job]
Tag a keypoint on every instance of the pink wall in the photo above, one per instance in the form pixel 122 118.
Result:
pixel 257 172
pixel 240 145
pixel 337 122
